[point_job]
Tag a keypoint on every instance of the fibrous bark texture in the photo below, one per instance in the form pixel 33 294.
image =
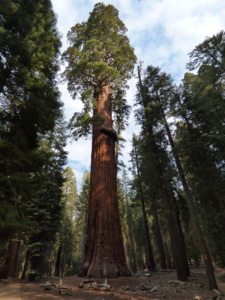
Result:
pixel 10 268
pixel 104 249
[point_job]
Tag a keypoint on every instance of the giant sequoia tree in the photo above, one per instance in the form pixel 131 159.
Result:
pixel 100 60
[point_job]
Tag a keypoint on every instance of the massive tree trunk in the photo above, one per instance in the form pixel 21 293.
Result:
pixel 10 268
pixel 104 249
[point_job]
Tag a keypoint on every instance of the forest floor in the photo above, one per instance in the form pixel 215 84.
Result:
pixel 146 286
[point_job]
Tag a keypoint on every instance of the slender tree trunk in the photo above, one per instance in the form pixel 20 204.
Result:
pixel 131 238
pixel 159 240
pixel 180 232
pixel 176 244
pixel 25 266
pixel 58 262
pixel 150 257
pixel 183 246
pixel 168 257
pixel 141 263
pixel 104 249
pixel 190 204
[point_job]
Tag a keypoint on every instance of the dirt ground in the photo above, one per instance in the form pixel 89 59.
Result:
pixel 151 286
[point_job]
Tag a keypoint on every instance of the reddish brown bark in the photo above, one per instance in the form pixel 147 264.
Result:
pixel 104 249
pixel 10 268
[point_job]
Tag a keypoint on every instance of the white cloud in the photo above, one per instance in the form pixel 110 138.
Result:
pixel 162 33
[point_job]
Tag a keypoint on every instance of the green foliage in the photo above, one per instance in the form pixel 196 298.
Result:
pixel 99 51
pixel 44 206
pixel 67 234
pixel 29 46
pixel 197 107
pixel 200 133
pixel 210 53
pixel 32 133
pixel 81 124
pixel 156 163
pixel 69 190
pixel 11 222
pixel 81 219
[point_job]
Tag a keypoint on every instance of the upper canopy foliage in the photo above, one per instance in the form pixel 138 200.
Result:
pixel 99 52
pixel 210 53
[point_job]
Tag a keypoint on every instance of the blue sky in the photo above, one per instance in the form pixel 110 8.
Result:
pixel 162 33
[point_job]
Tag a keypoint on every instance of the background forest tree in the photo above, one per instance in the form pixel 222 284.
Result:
pixel 190 142
pixel 32 137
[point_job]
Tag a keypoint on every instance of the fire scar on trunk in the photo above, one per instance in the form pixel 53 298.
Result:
pixel 110 132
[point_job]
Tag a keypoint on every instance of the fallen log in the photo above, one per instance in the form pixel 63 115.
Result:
pixel 48 286
pixel 65 290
